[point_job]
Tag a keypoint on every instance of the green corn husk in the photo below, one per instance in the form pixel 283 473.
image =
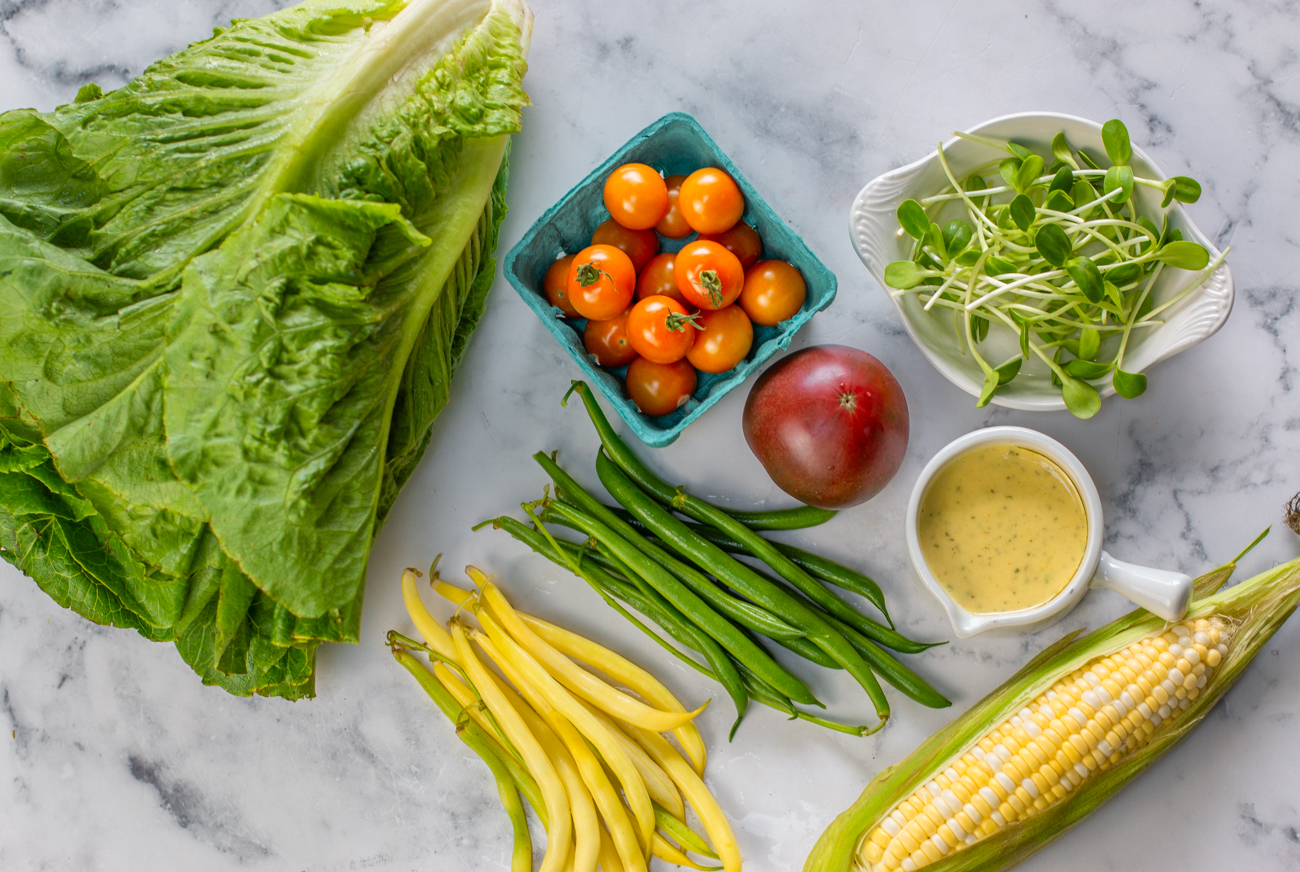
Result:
pixel 1257 607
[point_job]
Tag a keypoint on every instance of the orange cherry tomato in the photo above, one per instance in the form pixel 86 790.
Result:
pixel 710 201
pixel 724 341
pixel 708 275
pixel 639 245
pixel 742 241
pixel 607 341
pixel 636 196
pixel 601 282
pixel 660 329
pixel 774 292
pixel 660 388
pixel 556 285
pixel 656 280
pixel 673 225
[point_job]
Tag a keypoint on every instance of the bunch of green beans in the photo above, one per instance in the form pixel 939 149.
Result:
pixel 682 576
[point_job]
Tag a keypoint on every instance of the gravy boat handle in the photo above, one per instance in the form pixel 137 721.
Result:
pixel 1164 593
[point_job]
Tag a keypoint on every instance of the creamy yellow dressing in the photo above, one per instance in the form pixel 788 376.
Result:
pixel 1002 528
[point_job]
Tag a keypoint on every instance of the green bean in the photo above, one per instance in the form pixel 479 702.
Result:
pixel 763 693
pixel 650 603
pixel 743 613
pixel 827 570
pixel 510 780
pixel 576 560
pixel 780 519
pixel 808 651
pixel 734 677
pixel 890 669
pixel 741 578
pixel 783 519
pixel 690 604
pixel 635 469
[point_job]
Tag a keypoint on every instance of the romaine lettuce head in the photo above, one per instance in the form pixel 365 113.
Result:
pixel 232 298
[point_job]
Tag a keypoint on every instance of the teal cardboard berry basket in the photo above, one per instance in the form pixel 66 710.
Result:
pixel 675 144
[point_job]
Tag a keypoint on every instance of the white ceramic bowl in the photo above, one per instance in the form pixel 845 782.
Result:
pixel 873 226
pixel 1161 592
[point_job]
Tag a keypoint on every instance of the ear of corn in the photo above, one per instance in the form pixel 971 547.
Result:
pixel 1075 725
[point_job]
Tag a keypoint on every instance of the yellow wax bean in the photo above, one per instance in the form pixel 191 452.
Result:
pixel 661 787
pixel 434 635
pixel 634 789
pixel 535 758
pixel 625 671
pixel 590 769
pixel 609 861
pixel 697 794
pixel 579 680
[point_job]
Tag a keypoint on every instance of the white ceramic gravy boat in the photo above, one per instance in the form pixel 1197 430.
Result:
pixel 1159 591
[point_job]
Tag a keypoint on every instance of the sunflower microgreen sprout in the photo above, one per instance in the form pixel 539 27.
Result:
pixel 1057 253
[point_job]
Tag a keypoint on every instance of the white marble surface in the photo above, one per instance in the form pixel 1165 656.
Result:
pixel 118 759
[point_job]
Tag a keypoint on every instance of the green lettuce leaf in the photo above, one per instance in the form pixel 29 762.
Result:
pixel 232 296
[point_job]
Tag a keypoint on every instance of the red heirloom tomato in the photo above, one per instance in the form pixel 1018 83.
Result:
pixel 660 329
pixel 659 388
pixel 774 292
pixel 829 425
pixel 710 201
pixel 607 341
pixel 601 282
pixel 742 241
pixel 656 280
pixel 638 245
pixel 708 275
pixel 636 196
pixel 556 285
pixel 673 225
pixel 724 341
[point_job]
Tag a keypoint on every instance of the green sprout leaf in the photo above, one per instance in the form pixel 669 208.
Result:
pixel 1087 277
pixel 1081 398
pixel 979 327
pixel 967 258
pixel 1083 193
pixel 1007 371
pixel 1008 169
pixel 998 266
pixel 991 382
pixel 1169 194
pixel 1059 201
pixel 1092 164
pixel 1022 211
pixel 1124 274
pixel 1184 255
pixel 1062 181
pixel 1061 150
pixel 903 274
pixel 1030 169
pixel 934 236
pixel 1086 369
pixel 1089 343
pixel 1053 245
pixel 1114 136
pixel 1129 385
pixel 957 234
pixel 912 218
pixel 1119 177
pixel 1186 189
pixel 1019 150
